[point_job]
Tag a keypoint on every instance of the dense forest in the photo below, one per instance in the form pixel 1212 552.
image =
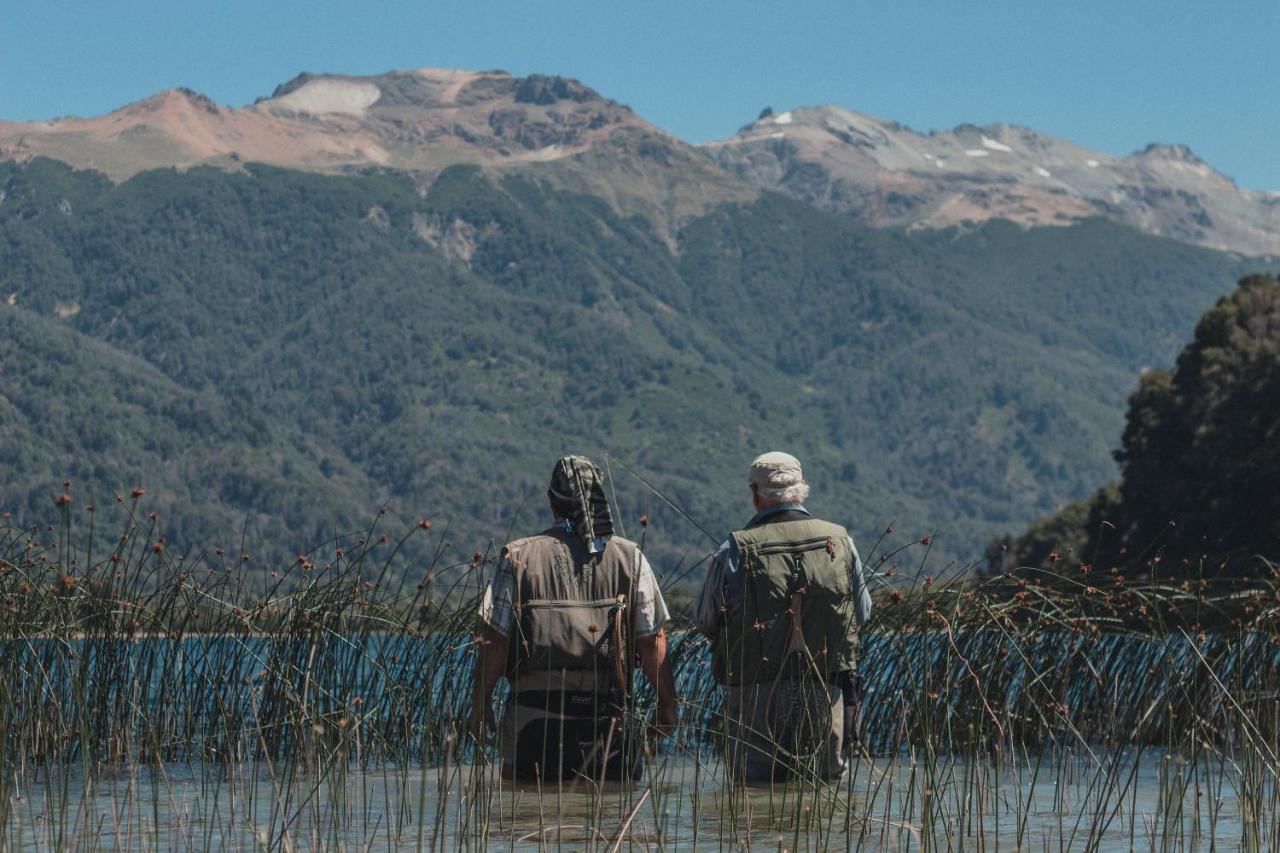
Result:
pixel 275 355
pixel 1199 489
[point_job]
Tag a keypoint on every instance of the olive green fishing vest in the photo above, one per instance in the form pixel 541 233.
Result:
pixel 566 601
pixel 808 558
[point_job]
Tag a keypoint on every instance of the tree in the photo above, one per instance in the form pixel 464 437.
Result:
pixel 1200 454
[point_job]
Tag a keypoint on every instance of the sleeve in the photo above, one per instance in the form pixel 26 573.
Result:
pixel 496 609
pixel 650 611
pixel 708 608
pixel 858 583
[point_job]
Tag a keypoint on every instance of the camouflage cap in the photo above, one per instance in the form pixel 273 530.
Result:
pixel 577 494
pixel 775 470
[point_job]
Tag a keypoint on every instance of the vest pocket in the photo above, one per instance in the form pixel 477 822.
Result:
pixel 564 634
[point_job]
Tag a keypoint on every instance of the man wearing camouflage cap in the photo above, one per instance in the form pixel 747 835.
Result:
pixel 782 603
pixel 565 615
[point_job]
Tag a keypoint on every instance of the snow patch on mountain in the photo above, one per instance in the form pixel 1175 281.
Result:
pixel 879 171
pixel 321 97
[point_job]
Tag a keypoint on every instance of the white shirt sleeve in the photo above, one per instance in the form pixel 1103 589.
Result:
pixel 858 584
pixel 496 608
pixel 708 607
pixel 650 610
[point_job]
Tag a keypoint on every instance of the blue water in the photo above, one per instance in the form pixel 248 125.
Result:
pixel 410 687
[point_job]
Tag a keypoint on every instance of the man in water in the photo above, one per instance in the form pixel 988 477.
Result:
pixel 782 604
pixel 565 615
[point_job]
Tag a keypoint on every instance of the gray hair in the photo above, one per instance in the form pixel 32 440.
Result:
pixel 796 493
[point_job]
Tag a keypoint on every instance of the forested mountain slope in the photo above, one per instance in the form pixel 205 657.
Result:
pixel 279 353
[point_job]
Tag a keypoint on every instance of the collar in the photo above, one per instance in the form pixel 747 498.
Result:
pixel 768 512
pixel 595 546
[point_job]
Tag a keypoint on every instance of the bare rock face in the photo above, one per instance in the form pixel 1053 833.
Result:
pixel 886 174
pixel 417 121
pixel 420 122
pixel 544 91
pixel 877 171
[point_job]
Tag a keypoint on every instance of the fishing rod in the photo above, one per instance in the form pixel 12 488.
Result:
pixel 668 501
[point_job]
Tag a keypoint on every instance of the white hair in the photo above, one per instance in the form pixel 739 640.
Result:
pixel 796 493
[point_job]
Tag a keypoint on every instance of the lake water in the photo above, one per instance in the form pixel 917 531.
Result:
pixel 356 727
pixel 1145 800
pixel 1109 685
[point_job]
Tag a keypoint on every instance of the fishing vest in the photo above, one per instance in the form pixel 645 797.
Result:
pixel 808 561
pixel 566 603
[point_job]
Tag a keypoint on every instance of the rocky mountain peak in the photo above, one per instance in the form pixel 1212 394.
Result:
pixel 179 98
pixel 1178 161
pixel 544 90
pixel 291 85
pixel 874 169
pixel 886 174
pixel 427 89
pixel 1162 151
pixel 419 120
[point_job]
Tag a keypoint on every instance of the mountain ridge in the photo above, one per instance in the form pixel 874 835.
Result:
pixel 880 171
pixel 888 175
pixel 320 109
pixel 420 122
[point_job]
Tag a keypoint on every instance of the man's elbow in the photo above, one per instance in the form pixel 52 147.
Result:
pixel 652 644
pixel 652 651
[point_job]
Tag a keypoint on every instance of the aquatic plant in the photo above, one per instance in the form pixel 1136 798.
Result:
pixel 149 696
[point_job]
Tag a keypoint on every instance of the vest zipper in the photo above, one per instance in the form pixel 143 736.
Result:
pixel 794 547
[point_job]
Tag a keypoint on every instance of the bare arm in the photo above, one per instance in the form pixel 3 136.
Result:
pixel 490 666
pixel 657 668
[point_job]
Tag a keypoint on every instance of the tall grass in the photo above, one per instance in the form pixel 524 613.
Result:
pixel 152 699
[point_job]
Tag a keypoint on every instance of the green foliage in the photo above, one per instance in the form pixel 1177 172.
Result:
pixel 1200 455
pixel 275 354
pixel 1047 539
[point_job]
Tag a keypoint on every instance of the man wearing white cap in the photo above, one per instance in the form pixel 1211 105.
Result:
pixel 782 604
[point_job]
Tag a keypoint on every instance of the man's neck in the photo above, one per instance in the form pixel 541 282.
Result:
pixel 763 514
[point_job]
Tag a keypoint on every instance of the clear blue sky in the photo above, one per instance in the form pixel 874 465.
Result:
pixel 1109 74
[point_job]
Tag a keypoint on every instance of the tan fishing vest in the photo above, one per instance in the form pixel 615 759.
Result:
pixel 808 562
pixel 566 603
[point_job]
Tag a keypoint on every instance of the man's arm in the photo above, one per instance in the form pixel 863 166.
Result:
pixel 858 583
pixel 649 613
pixel 657 668
pixel 708 607
pixel 490 666
pixel 496 615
